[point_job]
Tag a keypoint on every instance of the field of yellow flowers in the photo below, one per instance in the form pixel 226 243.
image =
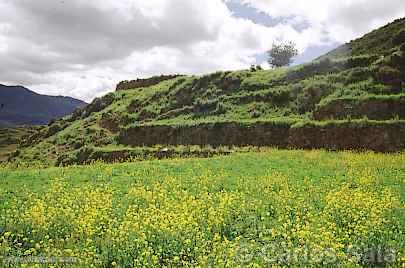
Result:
pixel 257 209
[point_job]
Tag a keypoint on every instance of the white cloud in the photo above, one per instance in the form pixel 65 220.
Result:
pixel 341 20
pixel 84 48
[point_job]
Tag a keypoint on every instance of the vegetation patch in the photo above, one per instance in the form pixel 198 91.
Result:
pixel 311 208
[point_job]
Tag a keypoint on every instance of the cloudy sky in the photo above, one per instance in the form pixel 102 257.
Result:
pixel 84 48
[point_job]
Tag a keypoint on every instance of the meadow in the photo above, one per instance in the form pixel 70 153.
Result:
pixel 250 209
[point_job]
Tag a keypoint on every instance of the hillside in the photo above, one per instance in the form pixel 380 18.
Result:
pixel 11 137
pixel 351 98
pixel 21 106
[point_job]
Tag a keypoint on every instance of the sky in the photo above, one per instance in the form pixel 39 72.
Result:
pixel 84 48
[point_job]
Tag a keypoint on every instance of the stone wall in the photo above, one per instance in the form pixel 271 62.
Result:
pixel 382 137
pixel 139 83
pixel 375 109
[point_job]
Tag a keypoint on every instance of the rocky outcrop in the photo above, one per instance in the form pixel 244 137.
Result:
pixel 378 136
pixel 372 108
pixel 140 83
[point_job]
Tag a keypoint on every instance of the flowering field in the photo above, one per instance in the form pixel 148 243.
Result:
pixel 269 208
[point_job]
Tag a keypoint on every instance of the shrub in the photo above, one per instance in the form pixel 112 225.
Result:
pixel 280 96
pixel 324 66
pixel 312 94
pixel 255 114
pixel 148 112
pixel 84 154
pixel 358 74
pixel 399 38
pixel 387 74
pixel 397 60
pixel 110 121
pixel 220 109
pixel 402 48
pixel 205 106
pixel 254 68
pixel 99 104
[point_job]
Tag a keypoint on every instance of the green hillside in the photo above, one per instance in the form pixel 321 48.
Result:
pixel 360 84
pixel 10 138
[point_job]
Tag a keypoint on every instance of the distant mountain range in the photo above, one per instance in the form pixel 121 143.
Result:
pixel 21 106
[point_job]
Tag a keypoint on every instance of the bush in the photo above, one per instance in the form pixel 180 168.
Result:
pixel 205 106
pixel 254 68
pixel 324 66
pixel 312 94
pixel 280 96
pixel 99 104
pixel 358 74
pixel 387 74
pixel 110 121
pixel 148 112
pixel 402 48
pixel 399 38
pixel 361 61
pixel 390 77
pixel 220 109
pixel 83 155
pixel 255 114
pixel 397 60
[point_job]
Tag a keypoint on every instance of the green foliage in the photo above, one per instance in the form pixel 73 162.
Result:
pixel 312 92
pixel 319 67
pixel 402 48
pixel 281 55
pixel 386 74
pixel 358 74
pixel 399 38
pixel 10 138
pixel 378 42
pixel 189 212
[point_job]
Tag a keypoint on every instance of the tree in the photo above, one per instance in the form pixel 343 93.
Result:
pixel 282 54
pixel 254 68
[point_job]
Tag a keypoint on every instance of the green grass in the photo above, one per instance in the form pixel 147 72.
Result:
pixel 10 139
pixel 224 211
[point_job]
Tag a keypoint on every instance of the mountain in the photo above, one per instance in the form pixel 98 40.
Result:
pixel 350 98
pixel 21 106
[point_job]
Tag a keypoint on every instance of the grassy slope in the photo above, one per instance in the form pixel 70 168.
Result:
pixel 10 139
pixel 379 41
pixel 256 199
pixel 287 94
